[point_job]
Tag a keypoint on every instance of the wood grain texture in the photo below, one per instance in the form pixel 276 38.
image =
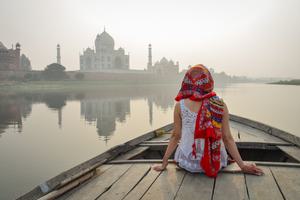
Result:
pixel 263 187
pixel 126 183
pixel 288 179
pixel 166 185
pixel 195 186
pixel 143 186
pixel 292 151
pixel 230 186
pixel 100 184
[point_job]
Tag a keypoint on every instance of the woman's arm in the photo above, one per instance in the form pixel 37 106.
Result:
pixel 176 135
pixel 232 148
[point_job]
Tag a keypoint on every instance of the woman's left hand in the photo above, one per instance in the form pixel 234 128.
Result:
pixel 251 168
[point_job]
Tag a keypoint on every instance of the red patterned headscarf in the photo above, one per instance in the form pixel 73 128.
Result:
pixel 198 85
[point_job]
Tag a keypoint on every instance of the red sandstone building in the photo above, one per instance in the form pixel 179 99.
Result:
pixel 11 59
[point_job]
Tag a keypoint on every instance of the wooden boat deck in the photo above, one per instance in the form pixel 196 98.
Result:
pixel 134 179
pixel 139 181
pixel 125 172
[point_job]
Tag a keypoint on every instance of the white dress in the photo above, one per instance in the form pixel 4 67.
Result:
pixel 183 154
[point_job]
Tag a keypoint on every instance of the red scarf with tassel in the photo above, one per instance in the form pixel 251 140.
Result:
pixel 198 85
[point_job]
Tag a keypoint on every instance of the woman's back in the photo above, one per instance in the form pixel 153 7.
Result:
pixel 183 155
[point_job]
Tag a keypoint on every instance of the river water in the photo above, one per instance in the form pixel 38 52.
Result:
pixel 45 133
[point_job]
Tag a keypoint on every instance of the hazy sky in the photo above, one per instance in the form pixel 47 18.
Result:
pixel 241 37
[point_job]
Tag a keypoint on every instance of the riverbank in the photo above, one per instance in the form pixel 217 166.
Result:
pixel 70 85
pixel 290 82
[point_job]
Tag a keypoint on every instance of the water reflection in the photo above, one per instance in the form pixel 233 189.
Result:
pixel 13 109
pixel 56 101
pixel 103 108
pixel 105 113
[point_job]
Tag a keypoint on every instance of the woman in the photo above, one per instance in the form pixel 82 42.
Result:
pixel 201 123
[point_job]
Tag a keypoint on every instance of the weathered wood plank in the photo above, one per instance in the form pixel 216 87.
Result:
pixel 230 186
pixel 268 129
pixel 140 161
pixel 262 163
pixel 250 134
pixel 166 185
pixel 143 186
pixel 234 133
pixel 132 153
pixel 66 191
pixel 100 184
pixel 292 151
pixel 263 187
pixel 127 182
pixel 195 186
pixel 163 137
pixel 288 179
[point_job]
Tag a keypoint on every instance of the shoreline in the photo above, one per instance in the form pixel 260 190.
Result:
pixel 74 85
pixel 290 82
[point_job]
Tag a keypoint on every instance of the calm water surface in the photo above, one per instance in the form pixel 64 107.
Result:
pixel 43 134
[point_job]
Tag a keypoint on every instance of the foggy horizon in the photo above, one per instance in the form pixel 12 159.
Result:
pixel 253 38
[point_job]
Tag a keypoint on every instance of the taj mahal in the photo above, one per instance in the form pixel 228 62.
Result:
pixel 104 57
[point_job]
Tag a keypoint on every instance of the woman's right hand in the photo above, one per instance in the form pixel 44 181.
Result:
pixel 160 167
pixel 251 168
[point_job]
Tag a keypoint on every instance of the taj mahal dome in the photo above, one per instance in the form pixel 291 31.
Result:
pixel 104 57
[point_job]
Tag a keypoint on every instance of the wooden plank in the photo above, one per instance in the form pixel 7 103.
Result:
pixel 143 186
pixel 230 186
pixel 56 193
pixel 263 187
pixel 250 134
pixel 292 138
pixel 72 187
pixel 234 133
pixel 262 163
pixel 292 151
pixel 163 137
pixel 156 142
pixel 100 184
pixel 195 186
pixel 132 153
pixel 288 181
pixel 126 183
pixel 139 161
pixel 166 185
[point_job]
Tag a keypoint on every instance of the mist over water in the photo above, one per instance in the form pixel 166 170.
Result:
pixel 43 134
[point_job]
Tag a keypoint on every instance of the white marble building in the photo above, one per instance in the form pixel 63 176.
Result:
pixel 104 57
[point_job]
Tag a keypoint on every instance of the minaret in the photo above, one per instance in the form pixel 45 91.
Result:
pixel 58 54
pixel 18 54
pixel 149 65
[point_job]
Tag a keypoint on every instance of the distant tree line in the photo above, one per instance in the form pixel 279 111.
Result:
pixel 53 72
pixel 289 82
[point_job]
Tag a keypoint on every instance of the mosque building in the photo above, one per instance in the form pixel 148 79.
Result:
pixel 163 66
pixel 12 60
pixel 104 57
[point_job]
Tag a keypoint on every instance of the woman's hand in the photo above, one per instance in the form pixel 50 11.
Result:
pixel 161 167
pixel 251 168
